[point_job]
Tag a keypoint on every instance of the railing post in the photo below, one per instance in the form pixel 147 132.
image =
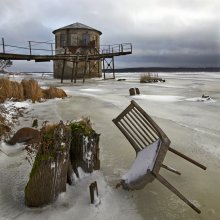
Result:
pixel 51 45
pixel 29 46
pixel 121 48
pixel 3 45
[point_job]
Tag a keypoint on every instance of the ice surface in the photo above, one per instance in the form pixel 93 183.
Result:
pixel 192 126
pixel 144 161
pixel 200 99
pixel 91 90
pixel 11 150
pixel 159 98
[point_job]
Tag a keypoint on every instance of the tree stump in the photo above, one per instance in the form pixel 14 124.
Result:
pixel 48 176
pixel 137 91
pixel 84 148
pixel 132 91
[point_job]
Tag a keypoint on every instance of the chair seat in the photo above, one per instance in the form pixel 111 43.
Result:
pixel 140 172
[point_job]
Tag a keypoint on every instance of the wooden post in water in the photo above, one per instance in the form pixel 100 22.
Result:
pixel 93 189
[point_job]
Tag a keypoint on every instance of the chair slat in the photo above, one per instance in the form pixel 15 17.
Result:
pixel 148 126
pixel 145 129
pixel 128 128
pixel 136 131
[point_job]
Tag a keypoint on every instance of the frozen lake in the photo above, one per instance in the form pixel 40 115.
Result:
pixel 192 124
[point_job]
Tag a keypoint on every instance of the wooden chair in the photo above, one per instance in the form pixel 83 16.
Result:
pixel 142 131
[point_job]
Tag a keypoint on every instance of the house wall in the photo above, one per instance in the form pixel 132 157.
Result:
pixel 76 41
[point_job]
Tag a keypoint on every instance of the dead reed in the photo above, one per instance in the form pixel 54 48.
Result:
pixel 32 90
pixel 53 92
pixel 148 78
pixel 27 89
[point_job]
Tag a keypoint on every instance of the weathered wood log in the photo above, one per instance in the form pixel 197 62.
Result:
pixel 48 176
pixel 84 148
pixel 84 151
pixel 132 91
pixel 137 91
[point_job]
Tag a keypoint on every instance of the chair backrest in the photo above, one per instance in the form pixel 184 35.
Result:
pixel 141 130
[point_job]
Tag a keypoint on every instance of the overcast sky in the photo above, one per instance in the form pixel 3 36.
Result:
pixel 163 32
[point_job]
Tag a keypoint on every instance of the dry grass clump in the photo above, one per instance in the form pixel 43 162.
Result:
pixel 17 91
pixel 27 89
pixel 54 92
pixel 5 89
pixel 148 77
pixel 32 90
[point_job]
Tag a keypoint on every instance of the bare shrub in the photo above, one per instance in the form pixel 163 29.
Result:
pixel 5 89
pixel 32 90
pixel 17 91
pixel 53 92
pixel 148 77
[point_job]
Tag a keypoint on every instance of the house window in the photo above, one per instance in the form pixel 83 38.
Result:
pixel 62 40
pixel 74 39
pixel 86 39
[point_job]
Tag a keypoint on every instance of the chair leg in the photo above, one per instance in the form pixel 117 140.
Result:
pixel 187 158
pixel 170 169
pixel 175 191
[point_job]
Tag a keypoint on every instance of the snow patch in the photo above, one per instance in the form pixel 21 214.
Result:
pixel 200 99
pixel 52 165
pixel 143 163
pixel 11 150
pixel 91 90
pixel 159 98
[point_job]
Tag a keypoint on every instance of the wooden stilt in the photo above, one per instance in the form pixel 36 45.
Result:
pixel 175 191
pixel 72 71
pixel 99 63
pixel 85 69
pixel 64 62
pixel 89 68
pixel 103 66
pixel 171 169
pixel 187 158
pixel 76 68
pixel 63 71
pixel 113 67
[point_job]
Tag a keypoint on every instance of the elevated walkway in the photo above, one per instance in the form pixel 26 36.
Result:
pixel 45 52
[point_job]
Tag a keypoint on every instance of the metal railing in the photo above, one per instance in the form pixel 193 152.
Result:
pixel 47 48
pixel 116 48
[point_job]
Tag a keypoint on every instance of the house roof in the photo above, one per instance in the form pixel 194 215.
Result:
pixel 77 25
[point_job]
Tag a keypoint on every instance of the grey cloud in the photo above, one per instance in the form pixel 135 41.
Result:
pixel 163 32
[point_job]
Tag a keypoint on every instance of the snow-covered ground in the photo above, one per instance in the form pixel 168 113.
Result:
pixel 191 124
